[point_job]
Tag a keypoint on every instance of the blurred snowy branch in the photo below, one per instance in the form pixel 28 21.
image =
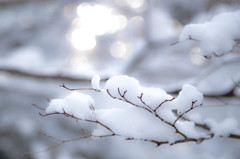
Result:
pixel 217 37
pixel 43 75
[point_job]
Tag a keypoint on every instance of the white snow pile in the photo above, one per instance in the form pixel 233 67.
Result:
pixel 217 36
pixel 130 110
pixel 224 128
pixel 76 104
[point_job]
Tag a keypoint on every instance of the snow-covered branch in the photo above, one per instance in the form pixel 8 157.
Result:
pixel 125 108
pixel 217 37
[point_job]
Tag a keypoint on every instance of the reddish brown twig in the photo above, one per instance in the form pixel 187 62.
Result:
pixel 167 100
pixel 145 107
pixel 77 89
pixel 124 99
pixel 38 107
pixel 144 103
pixel 191 108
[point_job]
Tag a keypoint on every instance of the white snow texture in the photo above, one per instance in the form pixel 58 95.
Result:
pixel 217 36
pixel 131 121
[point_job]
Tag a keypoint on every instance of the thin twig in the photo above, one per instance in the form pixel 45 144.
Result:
pixel 192 107
pixel 51 137
pixel 189 38
pixel 77 89
pixel 82 129
pixel 148 108
pixel 144 103
pixel 167 100
pixel 35 105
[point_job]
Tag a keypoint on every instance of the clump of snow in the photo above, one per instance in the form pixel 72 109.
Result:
pixel 139 118
pixel 136 123
pixel 188 128
pixel 217 36
pixel 166 113
pixel 96 82
pixel 220 81
pixel 186 97
pixel 227 126
pixel 123 85
pixel 154 96
pixel 76 104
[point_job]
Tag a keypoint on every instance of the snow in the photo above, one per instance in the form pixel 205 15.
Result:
pixel 188 128
pixel 224 128
pixel 26 24
pixel 123 85
pixel 217 36
pixel 221 80
pixel 136 123
pixel 96 82
pixel 186 97
pixel 154 96
pixel 76 104
pixel 132 121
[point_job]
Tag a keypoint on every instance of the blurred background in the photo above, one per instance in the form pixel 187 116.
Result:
pixel 44 43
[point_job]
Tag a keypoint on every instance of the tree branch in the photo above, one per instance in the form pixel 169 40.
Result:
pixel 144 107
pixel 54 76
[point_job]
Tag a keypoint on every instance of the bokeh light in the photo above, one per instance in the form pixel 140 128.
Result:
pixel 118 49
pixel 136 21
pixel 94 20
pixel 83 39
pixel 135 3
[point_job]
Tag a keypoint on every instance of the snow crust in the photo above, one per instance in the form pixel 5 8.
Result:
pixel 217 36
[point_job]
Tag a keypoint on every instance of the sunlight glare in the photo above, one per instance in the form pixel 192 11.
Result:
pixel 83 39
pixel 94 20
pixel 100 19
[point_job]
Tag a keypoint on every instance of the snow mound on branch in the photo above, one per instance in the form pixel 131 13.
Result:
pixel 225 128
pixel 188 128
pixel 123 85
pixel 135 123
pixel 217 36
pixel 130 88
pixel 154 96
pixel 148 114
pixel 188 96
pixel 76 104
